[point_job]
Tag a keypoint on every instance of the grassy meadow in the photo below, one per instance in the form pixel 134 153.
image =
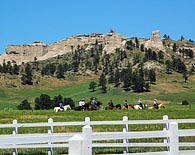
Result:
pixel 169 89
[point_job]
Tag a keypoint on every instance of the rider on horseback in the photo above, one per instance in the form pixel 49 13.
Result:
pixel 140 103
pixel 94 103
pixel 110 104
pixel 155 104
pixel 126 104
pixel 61 105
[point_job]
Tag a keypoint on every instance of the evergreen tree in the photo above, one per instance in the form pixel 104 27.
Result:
pixel 136 59
pixel 168 66
pixel 68 100
pixel 56 100
pixel 192 69
pixel 136 42
pixel 15 69
pixel 60 71
pixel 102 83
pixel 185 76
pixel 147 86
pixel 92 86
pixel 152 76
pixel 25 105
pixel 154 56
pixel 111 78
pixel 148 54
pixel 129 45
pixel 174 47
pixel 27 75
pixel 160 56
pixel 142 48
pixel 43 102
pixel 117 77
pixel 138 85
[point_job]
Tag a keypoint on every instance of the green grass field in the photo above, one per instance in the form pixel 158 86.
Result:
pixel 10 98
pixel 8 115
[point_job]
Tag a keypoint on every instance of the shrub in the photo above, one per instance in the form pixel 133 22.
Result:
pixel 185 102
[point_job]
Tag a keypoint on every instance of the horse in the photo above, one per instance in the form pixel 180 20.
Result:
pixel 116 107
pixel 89 106
pixel 160 106
pixel 137 107
pixel 66 107
pixel 129 107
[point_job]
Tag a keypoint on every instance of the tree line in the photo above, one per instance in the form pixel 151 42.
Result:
pixel 45 102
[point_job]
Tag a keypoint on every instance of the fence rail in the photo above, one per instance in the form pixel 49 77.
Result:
pixel 86 140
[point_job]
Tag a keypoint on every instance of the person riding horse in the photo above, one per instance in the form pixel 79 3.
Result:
pixel 94 103
pixel 61 105
pixel 126 104
pixel 155 104
pixel 110 104
pixel 140 103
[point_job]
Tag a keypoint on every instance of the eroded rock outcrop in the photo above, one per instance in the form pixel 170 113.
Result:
pixel 155 41
pixel 24 53
pixel 41 51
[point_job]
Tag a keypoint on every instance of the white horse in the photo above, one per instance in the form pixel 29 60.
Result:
pixel 137 107
pixel 66 107
pixel 160 106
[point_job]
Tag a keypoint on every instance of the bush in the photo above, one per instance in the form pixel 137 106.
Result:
pixel 185 102
pixel 25 105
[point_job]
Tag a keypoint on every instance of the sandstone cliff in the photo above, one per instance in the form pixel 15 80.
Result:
pixel 41 51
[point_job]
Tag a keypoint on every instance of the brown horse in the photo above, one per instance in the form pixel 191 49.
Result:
pixel 128 108
pixel 89 106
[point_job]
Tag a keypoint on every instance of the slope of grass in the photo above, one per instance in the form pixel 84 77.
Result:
pixel 169 89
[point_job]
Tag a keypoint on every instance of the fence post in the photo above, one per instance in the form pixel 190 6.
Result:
pixel 14 132
pixel 125 129
pixel 166 128
pixel 87 121
pixel 50 131
pixel 87 140
pixel 174 139
pixel 75 145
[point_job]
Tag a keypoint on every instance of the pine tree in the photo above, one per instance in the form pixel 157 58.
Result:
pixel 25 105
pixel 116 77
pixel 152 76
pixel 102 83
pixel 136 43
pixel 174 47
pixel 27 75
pixel 92 86
pixel 60 71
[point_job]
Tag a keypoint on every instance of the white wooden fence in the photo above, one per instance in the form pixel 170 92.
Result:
pixel 82 143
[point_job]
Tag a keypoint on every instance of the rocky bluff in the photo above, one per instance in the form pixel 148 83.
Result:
pixel 41 51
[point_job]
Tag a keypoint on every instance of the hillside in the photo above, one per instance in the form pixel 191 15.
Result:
pixel 110 43
pixel 132 67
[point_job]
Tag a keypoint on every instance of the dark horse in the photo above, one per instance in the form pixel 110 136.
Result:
pixel 116 107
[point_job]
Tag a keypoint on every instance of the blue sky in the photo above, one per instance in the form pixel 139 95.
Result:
pixel 26 21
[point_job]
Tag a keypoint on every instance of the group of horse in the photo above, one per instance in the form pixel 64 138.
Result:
pixel 134 106
pixel 89 106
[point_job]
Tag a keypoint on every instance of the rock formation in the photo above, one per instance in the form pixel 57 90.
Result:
pixel 26 53
pixel 155 41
